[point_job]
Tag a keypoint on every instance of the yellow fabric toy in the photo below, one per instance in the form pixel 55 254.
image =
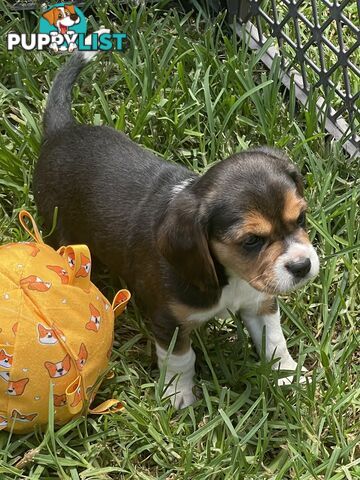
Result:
pixel 55 328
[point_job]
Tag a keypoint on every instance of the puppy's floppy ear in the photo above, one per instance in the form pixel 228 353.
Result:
pixel 182 240
pixel 50 16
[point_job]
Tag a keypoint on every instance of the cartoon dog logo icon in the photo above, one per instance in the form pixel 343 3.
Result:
pixel 62 18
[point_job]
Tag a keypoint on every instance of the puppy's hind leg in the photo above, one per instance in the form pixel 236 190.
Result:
pixel 179 364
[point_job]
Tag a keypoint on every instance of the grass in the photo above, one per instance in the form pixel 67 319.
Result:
pixel 189 90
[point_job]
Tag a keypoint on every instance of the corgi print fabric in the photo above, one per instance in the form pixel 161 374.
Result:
pixel 55 328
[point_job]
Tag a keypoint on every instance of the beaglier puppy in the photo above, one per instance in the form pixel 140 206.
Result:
pixel 190 247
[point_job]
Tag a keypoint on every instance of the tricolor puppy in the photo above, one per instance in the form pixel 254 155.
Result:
pixel 190 247
pixel 62 18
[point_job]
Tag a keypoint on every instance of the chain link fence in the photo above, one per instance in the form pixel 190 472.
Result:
pixel 318 43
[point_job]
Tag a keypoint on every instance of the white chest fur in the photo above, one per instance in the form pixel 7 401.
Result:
pixel 237 295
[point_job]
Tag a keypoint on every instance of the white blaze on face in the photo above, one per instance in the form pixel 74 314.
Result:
pixel 296 252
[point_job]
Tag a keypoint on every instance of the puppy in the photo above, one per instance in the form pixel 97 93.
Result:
pixel 62 18
pixel 190 247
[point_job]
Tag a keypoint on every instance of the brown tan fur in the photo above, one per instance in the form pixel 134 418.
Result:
pixel 258 272
pixel 254 223
pixel 293 206
pixel 268 306
pixel 302 237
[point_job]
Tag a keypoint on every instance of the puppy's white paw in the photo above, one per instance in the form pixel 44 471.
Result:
pixel 180 395
pixel 179 376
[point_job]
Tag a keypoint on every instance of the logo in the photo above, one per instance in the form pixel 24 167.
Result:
pixel 63 23
pixel 62 27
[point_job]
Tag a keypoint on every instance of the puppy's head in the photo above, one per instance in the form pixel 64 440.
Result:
pixel 246 213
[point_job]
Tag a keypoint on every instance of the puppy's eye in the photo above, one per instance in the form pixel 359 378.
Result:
pixel 253 243
pixel 301 219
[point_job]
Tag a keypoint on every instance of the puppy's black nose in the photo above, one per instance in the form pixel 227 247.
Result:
pixel 300 268
pixel 74 16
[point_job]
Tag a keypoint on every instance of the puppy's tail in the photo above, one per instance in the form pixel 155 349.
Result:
pixel 58 107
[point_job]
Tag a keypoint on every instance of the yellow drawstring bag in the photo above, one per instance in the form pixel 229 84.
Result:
pixel 56 328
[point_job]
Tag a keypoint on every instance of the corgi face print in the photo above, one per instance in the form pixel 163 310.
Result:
pixel 22 417
pixel 95 319
pixel 85 267
pixel 18 387
pixel 71 260
pixel 49 336
pixel 5 376
pixel 3 422
pixel 32 282
pixel 46 335
pixel 59 369
pixel 6 360
pixel 60 400
pixel 82 357
pixel 63 274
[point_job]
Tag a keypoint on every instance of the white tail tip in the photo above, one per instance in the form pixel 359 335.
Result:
pixel 90 54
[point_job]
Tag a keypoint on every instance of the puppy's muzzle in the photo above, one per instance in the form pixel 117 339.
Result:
pixel 297 266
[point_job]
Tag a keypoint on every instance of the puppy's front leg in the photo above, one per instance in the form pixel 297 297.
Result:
pixel 179 365
pixel 268 317
pixel 180 371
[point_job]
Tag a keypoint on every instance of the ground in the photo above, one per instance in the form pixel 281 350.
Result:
pixel 189 90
